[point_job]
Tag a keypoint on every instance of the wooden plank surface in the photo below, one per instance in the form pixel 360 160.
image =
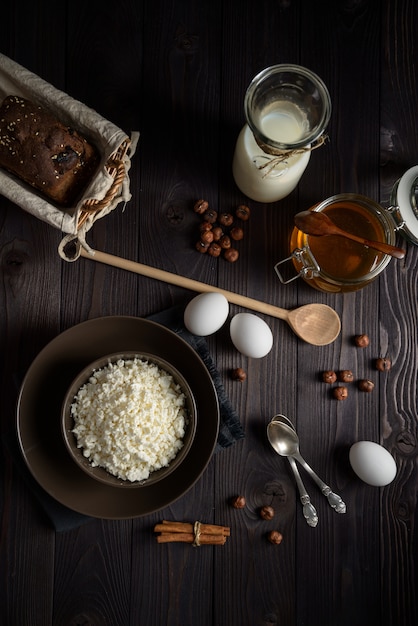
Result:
pixel 177 72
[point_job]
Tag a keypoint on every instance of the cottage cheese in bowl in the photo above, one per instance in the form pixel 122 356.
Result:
pixel 129 419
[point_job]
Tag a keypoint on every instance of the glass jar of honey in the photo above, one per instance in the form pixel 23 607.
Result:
pixel 333 263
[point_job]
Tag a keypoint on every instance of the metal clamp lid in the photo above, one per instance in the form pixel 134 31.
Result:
pixel 309 267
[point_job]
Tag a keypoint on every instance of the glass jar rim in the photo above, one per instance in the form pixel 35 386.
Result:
pixel 306 73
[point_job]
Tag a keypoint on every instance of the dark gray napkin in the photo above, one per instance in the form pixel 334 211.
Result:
pixel 62 517
pixel 230 430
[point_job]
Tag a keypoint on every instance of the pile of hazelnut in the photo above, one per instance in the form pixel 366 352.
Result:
pixel 219 232
pixel 382 364
pixel 266 513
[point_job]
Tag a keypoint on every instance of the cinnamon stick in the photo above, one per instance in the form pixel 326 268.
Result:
pixel 196 534
pixel 190 538
pixel 185 527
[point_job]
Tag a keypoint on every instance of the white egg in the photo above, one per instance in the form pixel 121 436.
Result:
pixel 250 335
pixel 206 313
pixel 372 463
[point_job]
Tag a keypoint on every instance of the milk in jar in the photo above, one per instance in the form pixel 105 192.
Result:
pixel 262 176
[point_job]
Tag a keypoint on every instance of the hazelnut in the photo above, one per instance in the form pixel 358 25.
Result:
pixel 237 233
pixel 275 537
pixel 329 376
pixel 383 364
pixel 225 242
pixel 207 236
pixel 267 512
pixel 210 216
pixel 217 233
pixel 200 206
pixel 238 502
pixel 202 247
pixel 346 376
pixel 226 219
pixel 204 226
pixel 243 212
pixel 361 341
pixel 231 255
pixel 366 385
pixel 340 393
pixel 214 249
pixel 239 374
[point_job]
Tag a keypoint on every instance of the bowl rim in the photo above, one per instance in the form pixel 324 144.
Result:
pixel 100 473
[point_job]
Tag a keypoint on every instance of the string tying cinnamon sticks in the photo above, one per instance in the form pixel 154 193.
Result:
pixel 197 534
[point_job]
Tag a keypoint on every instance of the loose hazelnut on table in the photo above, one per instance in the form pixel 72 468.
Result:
pixel 275 537
pixel 340 393
pixel 214 249
pixel 238 502
pixel 231 255
pixel 329 376
pixel 225 242
pixel 204 226
pixel 267 512
pixel 226 219
pixel 237 233
pixel 366 385
pixel 210 216
pixel 243 212
pixel 238 374
pixel 383 364
pixel 207 236
pixel 361 341
pixel 217 233
pixel 202 247
pixel 346 376
pixel 200 206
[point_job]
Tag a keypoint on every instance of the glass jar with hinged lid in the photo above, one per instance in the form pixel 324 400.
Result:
pixel 287 109
pixel 336 264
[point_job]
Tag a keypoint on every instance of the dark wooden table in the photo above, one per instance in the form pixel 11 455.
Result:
pixel 177 72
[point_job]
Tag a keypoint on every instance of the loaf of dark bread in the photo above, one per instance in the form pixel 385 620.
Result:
pixel 39 149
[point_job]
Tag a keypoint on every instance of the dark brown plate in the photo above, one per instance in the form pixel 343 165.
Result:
pixel 39 407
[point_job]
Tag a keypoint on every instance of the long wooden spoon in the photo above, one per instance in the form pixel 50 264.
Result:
pixel 317 224
pixel 317 324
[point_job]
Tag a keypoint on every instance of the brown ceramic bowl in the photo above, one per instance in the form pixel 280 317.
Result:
pixel 100 473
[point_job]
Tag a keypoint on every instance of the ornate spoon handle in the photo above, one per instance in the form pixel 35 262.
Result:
pixel 335 501
pixel 309 511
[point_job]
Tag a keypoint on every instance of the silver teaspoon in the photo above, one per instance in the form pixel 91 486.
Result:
pixel 285 441
pixel 309 511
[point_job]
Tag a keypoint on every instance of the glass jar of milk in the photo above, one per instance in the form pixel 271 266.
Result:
pixel 287 108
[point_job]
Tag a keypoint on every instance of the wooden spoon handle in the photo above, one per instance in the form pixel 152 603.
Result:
pixel 182 281
pixel 386 248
